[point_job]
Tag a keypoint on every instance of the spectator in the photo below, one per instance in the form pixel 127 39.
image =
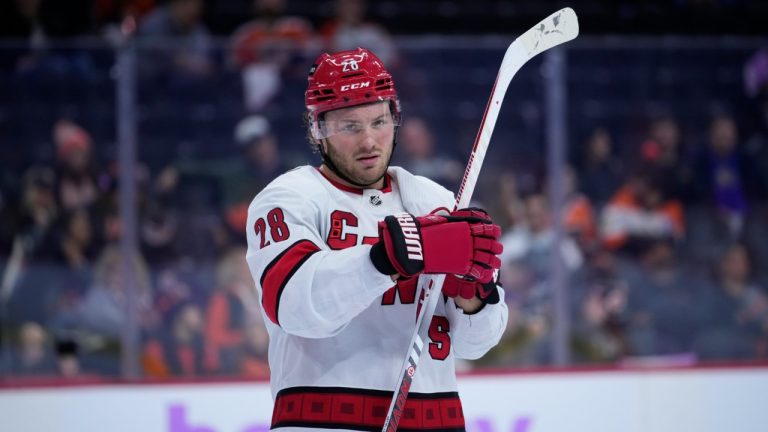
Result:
pixel 116 19
pixel 77 182
pixel 103 310
pixel 68 358
pixel 34 355
pixel 756 160
pixel 173 289
pixel 173 294
pixel 38 210
pixel 526 261
pixel 601 172
pixel 73 258
pixel 28 278
pixel 736 308
pixel 178 22
pixel 508 206
pixel 159 231
pixel 419 154
pixel 227 310
pixel 639 213
pixel 349 29
pixel 179 350
pixel 756 147
pixel 532 241
pixel 602 301
pixel 756 73
pixel 663 152
pixel 267 47
pixel 662 310
pixel 6 229
pixel 253 360
pixel 578 214
pixel 663 145
pixel 240 177
pixel 213 195
pixel 525 341
pixel 76 242
pixel 106 211
pixel 720 174
pixel 263 161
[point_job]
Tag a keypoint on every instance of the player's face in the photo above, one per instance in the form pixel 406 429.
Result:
pixel 360 141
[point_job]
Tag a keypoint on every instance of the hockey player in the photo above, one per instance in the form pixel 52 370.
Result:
pixel 336 251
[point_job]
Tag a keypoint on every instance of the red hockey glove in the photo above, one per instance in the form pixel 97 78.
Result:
pixel 468 287
pixel 472 212
pixel 460 286
pixel 485 291
pixel 464 244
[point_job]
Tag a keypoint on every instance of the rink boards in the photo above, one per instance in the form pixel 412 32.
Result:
pixel 695 400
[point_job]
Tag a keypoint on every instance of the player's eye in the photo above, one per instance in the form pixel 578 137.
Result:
pixel 349 128
pixel 378 123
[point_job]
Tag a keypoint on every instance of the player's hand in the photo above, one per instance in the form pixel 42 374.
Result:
pixel 470 287
pixel 461 243
pixel 472 212
pixel 457 286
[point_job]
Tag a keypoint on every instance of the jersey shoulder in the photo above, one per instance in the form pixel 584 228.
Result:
pixel 299 186
pixel 302 180
pixel 419 188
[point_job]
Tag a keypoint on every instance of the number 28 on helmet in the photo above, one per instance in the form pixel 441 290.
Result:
pixel 346 79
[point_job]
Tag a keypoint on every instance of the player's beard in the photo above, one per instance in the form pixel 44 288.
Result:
pixel 353 170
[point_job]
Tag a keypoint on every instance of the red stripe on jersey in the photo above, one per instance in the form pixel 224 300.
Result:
pixel 277 274
pixel 362 409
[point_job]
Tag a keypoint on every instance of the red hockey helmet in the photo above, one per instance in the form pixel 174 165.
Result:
pixel 346 79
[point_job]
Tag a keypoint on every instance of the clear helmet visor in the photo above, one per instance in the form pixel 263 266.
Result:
pixel 323 129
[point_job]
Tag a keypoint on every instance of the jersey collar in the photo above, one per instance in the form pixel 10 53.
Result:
pixel 355 190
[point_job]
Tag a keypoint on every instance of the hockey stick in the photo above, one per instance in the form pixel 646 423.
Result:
pixel 562 26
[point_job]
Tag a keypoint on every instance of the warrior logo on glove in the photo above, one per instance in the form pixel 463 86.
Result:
pixel 411 233
pixel 463 243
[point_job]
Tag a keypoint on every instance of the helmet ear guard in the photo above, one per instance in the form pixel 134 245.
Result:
pixel 346 79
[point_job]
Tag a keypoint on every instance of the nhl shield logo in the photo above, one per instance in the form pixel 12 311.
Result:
pixel 375 200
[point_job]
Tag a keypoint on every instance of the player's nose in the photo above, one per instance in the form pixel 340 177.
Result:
pixel 367 139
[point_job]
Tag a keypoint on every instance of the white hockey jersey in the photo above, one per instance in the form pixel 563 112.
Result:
pixel 339 330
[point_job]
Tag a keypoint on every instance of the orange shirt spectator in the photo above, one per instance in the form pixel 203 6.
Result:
pixel 266 49
pixel 579 220
pixel 223 331
pixel 228 308
pixel 254 363
pixel 640 211
pixel 179 349
pixel 261 40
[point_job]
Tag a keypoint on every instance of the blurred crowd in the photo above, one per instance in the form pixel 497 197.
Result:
pixel 63 279
pixel 436 16
pixel 663 236
pixel 664 252
pixel 62 295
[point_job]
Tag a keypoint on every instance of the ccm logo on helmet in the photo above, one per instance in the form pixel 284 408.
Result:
pixel 411 234
pixel 356 86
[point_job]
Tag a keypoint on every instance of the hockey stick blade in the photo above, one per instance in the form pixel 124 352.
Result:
pixel 560 27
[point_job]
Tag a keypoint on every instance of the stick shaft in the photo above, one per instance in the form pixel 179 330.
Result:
pixel 557 28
